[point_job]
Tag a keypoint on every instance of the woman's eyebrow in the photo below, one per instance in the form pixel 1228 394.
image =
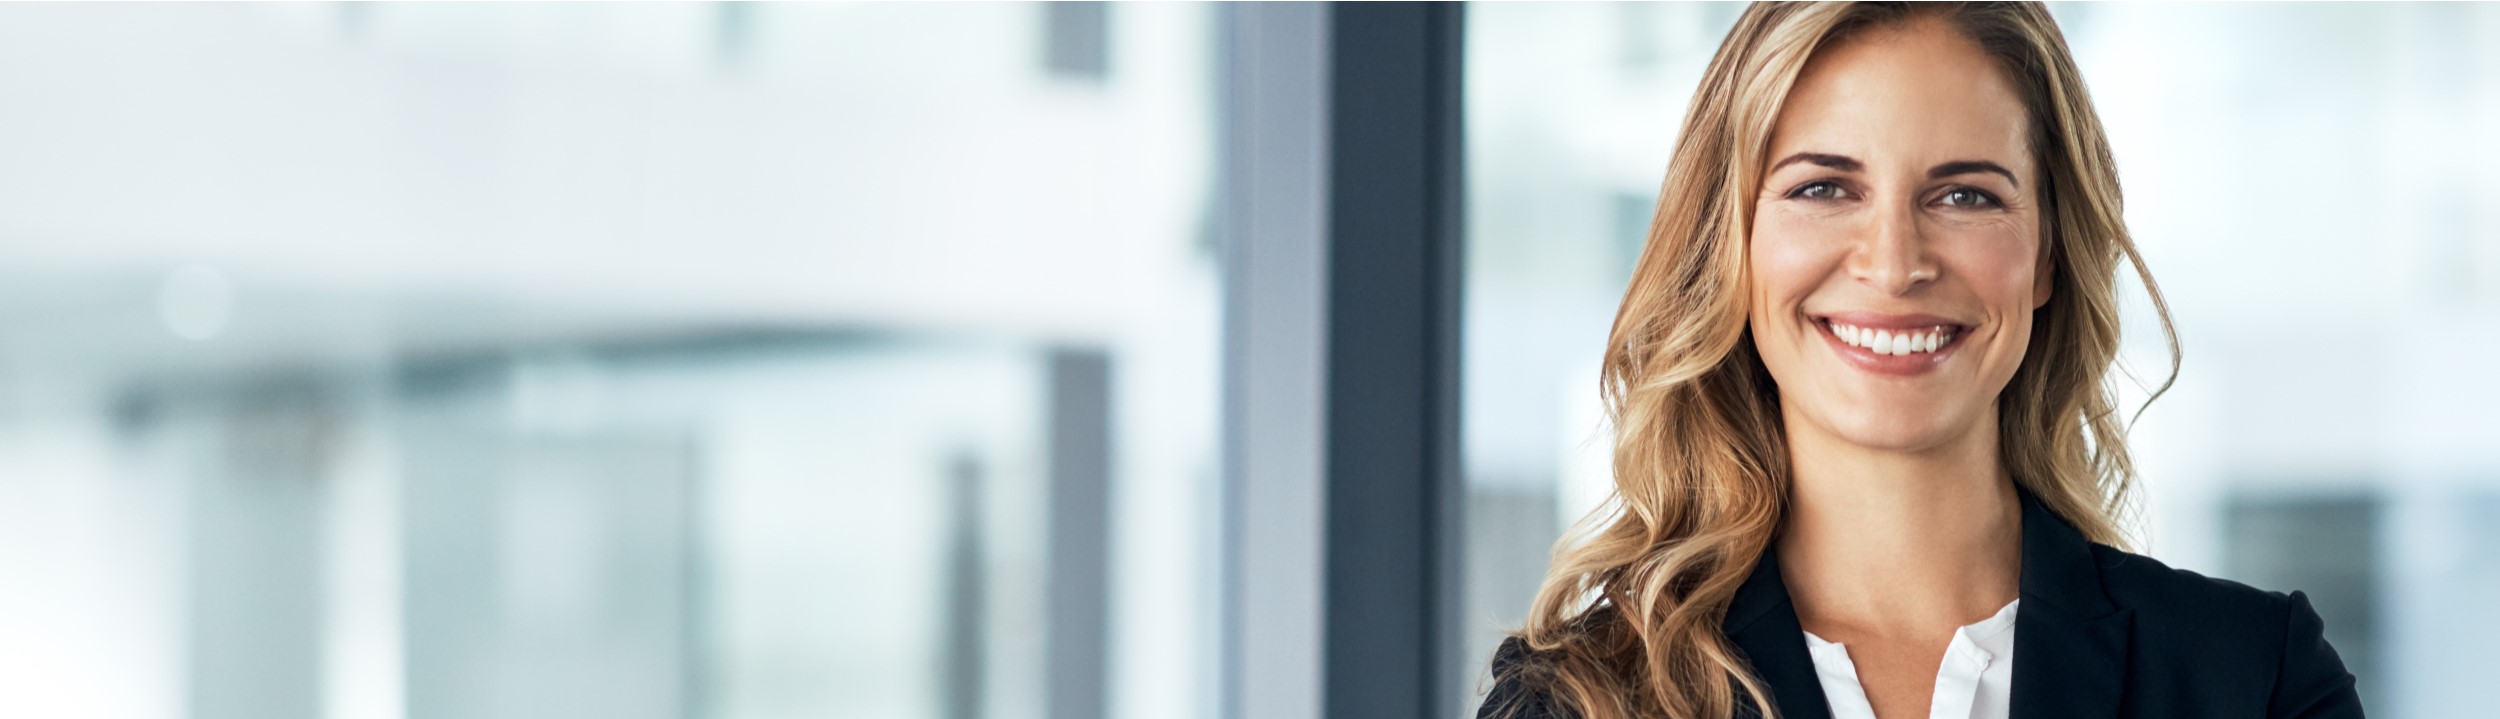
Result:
pixel 1960 167
pixel 1842 163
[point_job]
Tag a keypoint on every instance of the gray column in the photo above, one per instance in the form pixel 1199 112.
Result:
pixel 1394 492
pixel 1273 224
pixel 1076 637
pixel 962 663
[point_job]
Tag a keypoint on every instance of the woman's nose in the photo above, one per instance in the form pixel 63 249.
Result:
pixel 1892 255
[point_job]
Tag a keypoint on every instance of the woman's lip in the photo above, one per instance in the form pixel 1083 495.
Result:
pixel 1896 365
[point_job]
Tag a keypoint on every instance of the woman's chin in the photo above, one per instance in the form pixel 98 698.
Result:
pixel 1906 432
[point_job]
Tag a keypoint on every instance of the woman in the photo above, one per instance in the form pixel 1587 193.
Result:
pixel 1866 466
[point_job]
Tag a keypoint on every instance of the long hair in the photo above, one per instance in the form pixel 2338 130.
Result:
pixel 1628 621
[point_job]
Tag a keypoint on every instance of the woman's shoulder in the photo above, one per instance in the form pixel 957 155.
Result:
pixel 2160 593
pixel 1521 688
pixel 2191 624
pixel 1526 680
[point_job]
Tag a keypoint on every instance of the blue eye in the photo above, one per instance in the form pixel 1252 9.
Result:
pixel 1817 190
pixel 1968 197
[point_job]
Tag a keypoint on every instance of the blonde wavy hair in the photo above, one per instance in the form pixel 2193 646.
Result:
pixel 1628 621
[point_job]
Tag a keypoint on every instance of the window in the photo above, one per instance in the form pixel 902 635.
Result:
pixel 384 361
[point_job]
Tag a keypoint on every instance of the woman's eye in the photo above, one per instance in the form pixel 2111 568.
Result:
pixel 1825 190
pixel 1968 197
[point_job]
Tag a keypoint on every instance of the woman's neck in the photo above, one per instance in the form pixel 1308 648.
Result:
pixel 1889 543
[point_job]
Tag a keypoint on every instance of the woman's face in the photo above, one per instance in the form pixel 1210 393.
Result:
pixel 1896 249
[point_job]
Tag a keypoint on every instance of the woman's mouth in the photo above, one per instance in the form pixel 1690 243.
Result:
pixel 1894 341
pixel 1893 345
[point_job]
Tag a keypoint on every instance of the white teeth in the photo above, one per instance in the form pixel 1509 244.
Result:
pixel 1885 342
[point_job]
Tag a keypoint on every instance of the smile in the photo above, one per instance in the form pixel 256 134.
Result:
pixel 1899 345
pixel 1894 341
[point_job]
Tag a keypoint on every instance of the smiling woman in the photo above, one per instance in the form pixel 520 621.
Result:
pixel 1858 388
pixel 1897 219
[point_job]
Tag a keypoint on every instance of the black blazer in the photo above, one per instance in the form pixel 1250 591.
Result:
pixel 2101 633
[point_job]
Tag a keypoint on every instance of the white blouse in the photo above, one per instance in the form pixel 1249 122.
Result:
pixel 1975 681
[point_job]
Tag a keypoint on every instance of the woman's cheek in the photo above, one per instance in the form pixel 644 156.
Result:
pixel 1997 257
pixel 1784 254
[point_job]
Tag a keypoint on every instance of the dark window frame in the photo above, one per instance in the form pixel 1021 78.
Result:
pixel 1340 217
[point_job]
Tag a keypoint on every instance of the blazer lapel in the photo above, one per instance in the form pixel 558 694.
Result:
pixel 1764 627
pixel 2070 642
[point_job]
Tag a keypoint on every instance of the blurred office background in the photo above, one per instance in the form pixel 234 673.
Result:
pixel 869 360
pixel 602 360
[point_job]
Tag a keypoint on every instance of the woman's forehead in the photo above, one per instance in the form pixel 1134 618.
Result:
pixel 1911 94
